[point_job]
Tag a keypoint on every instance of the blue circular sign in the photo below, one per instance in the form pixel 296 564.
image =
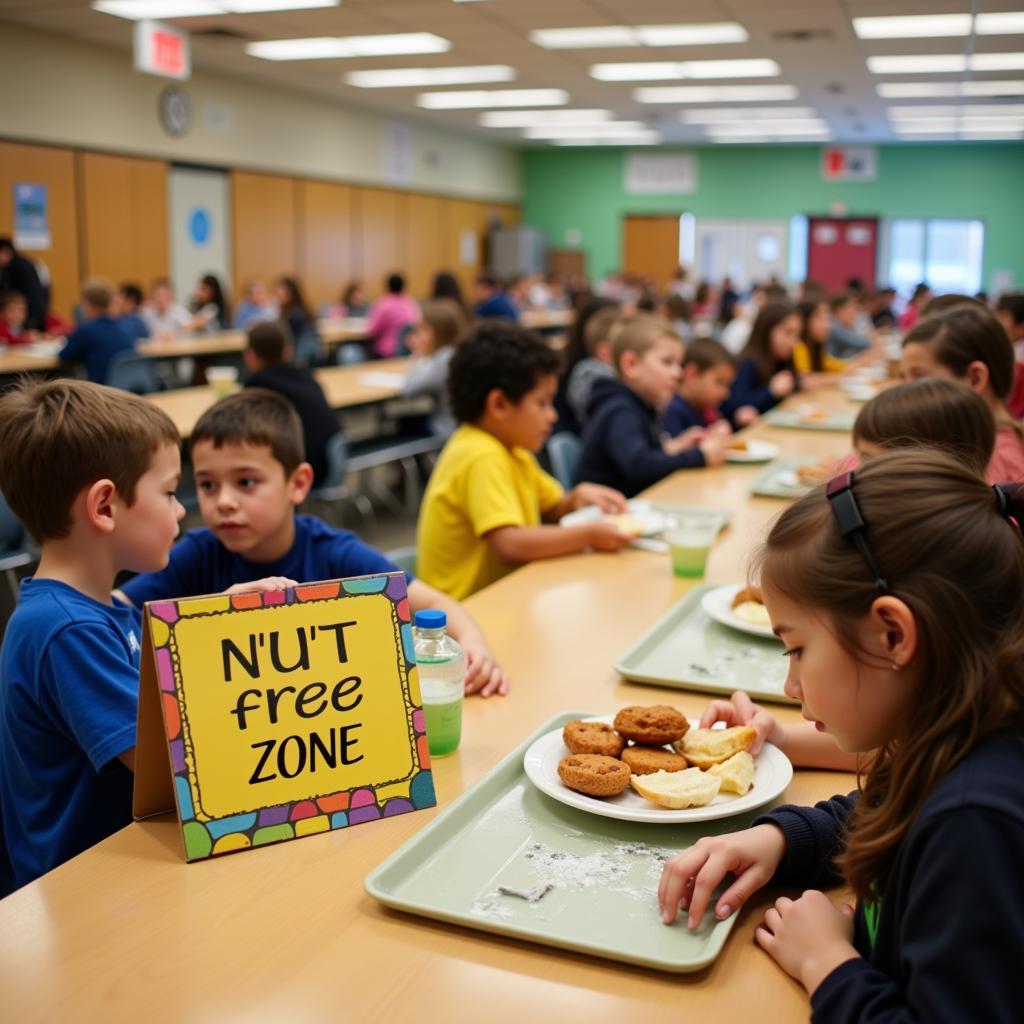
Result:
pixel 200 226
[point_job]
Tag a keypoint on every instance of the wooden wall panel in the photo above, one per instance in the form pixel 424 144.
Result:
pixel 381 236
pixel 460 216
pixel 265 227
pixel 123 218
pixel 54 168
pixel 327 240
pixel 424 250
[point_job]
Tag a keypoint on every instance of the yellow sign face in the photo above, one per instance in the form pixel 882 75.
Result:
pixel 291 712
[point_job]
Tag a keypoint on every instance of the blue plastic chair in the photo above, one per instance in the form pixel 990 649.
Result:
pixel 564 454
pixel 308 348
pixel 131 372
pixel 350 354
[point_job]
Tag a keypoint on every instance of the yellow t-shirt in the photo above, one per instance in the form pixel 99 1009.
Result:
pixel 476 486
pixel 802 360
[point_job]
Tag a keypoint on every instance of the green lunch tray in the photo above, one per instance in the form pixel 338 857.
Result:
pixel 789 418
pixel 503 832
pixel 688 650
pixel 766 484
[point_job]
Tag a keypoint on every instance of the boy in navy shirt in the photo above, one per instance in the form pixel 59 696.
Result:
pixel 251 474
pixel 129 318
pixel 100 338
pixel 91 473
pixel 708 373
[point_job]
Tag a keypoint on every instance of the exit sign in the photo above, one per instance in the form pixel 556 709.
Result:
pixel 162 50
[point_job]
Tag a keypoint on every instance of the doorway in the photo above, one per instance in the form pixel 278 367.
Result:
pixel 841 249
pixel 651 246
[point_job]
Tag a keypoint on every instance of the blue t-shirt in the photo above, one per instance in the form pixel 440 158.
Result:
pixel 95 343
pixel 133 325
pixel 200 564
pixel 498 307
pixel 69 684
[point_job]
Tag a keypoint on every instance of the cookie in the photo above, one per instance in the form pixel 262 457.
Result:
pixel 594 774
pixel 592 738
pixel 748 594
pixel 648 760
pixel 651 726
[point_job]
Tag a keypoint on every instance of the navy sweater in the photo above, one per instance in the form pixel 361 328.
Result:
pixel 682 415
pixel 621 443
pixel 747 389
pixel 950 940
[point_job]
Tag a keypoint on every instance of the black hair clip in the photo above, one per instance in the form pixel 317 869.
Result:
pixel 851 523
pixel 1009 503
pixel 1002 501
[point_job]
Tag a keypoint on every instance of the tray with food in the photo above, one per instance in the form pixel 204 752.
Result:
pixel 688 649
pixel 507 859
pixel 810 417
pixel 791 476
pixel 750 449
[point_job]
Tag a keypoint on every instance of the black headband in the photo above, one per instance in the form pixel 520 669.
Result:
pixel 851 523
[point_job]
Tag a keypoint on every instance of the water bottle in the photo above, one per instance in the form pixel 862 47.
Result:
pixel 442 671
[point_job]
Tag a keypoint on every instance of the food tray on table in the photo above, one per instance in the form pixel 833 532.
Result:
pixel 687 650
pixel 797 419
pixel 779 478
pixel 503 832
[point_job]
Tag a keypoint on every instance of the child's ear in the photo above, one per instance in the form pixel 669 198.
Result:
pixel 978 375
pixel 627 363
pixel 497 403
pixel 300 482
pixel 98 505
pixel 895 630
pixel 251 360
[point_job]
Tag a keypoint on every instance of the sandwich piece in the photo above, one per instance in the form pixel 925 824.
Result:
pixel 677 790
pixel 703 748
pixel 737 774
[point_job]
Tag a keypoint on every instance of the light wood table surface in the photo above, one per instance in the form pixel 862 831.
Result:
pixel 287 933
pixel 344 388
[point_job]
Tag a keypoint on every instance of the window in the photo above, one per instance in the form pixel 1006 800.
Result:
pixel 946 254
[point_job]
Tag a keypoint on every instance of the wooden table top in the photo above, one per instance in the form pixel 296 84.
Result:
pixel 344 387
pixel 288 932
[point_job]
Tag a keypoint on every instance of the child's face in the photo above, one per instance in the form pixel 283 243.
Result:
pixel 917 360
pixel 708 389
pixel 655 375
pixel 146 529
pixel 1014 330
pixel 528 422
pixel 161 297
pixel 15 313
pixel 859 703
pixel 245 498
pixel 785 335
pixel 846 314
pixel 867 450
pixel 820 323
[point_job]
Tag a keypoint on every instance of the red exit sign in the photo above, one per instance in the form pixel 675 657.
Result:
pixel 162 50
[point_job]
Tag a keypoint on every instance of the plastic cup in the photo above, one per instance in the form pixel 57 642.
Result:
pixel 689 543
pixel 223 380
pixel 442 709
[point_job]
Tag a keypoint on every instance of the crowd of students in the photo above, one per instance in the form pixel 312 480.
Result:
pixel 893 663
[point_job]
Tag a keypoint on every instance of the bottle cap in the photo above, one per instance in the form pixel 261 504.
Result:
pixel 431 618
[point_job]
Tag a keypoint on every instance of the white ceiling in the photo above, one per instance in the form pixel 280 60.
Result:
pixel 828 66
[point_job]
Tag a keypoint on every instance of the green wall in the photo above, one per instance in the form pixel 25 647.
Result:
pixel 581 189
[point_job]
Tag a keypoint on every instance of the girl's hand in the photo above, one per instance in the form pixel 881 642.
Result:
pixel 808 938
pixel 782 384
pixel 483 673
pixel 267 583
pixel 739 709
pixel 745 415
pixel 689 879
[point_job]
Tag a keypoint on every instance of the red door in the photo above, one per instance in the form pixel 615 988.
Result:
pixel 838 249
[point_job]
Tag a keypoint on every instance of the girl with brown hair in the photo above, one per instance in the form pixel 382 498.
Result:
pixel 897 592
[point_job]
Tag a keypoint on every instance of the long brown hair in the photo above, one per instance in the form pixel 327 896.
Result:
pixel 935 412
pixel 446 320
pixel 815 348
pixel 759 346
pixel 930 521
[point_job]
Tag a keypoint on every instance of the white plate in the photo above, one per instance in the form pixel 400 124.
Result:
pixel 757 451
pixel 772 773
pixel 718 604
pixel 652 521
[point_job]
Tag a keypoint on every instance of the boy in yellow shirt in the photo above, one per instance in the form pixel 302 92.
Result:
pixel 489 506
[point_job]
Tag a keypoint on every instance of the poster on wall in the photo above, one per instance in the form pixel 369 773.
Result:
pixel 31 216
pixel 849 163
pixel 661 173
pixel 400 155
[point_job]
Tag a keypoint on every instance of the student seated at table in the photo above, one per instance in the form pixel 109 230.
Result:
pixel 968 343
pixel 13 314
pixel 91 472
pixel 622 443
pixel 389 316
pixel 708 373
pixel 432 343
pixel 292 306
pixel 100 337
pixel 268 357
pixel 587 372
pixel 492 301
pixel 126 308
pixel 926 682
pixel 766 373
pixel 354 301
pixel 489 507
pixel 251 475
pixel 255 305
pixel 811 354
pixel 164 317
pixel 844 339
pixel 210 309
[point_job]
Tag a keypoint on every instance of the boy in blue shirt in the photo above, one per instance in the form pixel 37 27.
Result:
pixel 129 318
pixel 100 338
pixel 91 473
pixel 708 373
pixel 251 474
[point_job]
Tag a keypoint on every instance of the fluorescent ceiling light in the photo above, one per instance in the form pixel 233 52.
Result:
pixel 395 78
pixel 726 115
pixel 1007 23
pixel 979 135
pixel 638 141
pixel 649 71
pixel 587 131
pixel 757 139
pixel 924 127
pixel 476 98
pixel 961 110
pixel 913 27
pixel 595 36
pixel 917 64
pixel 976 88
pixel 929 90
pixel 136 10
pixel 769 128
pixel 715 93
pixel 528 118
pixel 258 6
pixel 322 47
pixel 996 62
